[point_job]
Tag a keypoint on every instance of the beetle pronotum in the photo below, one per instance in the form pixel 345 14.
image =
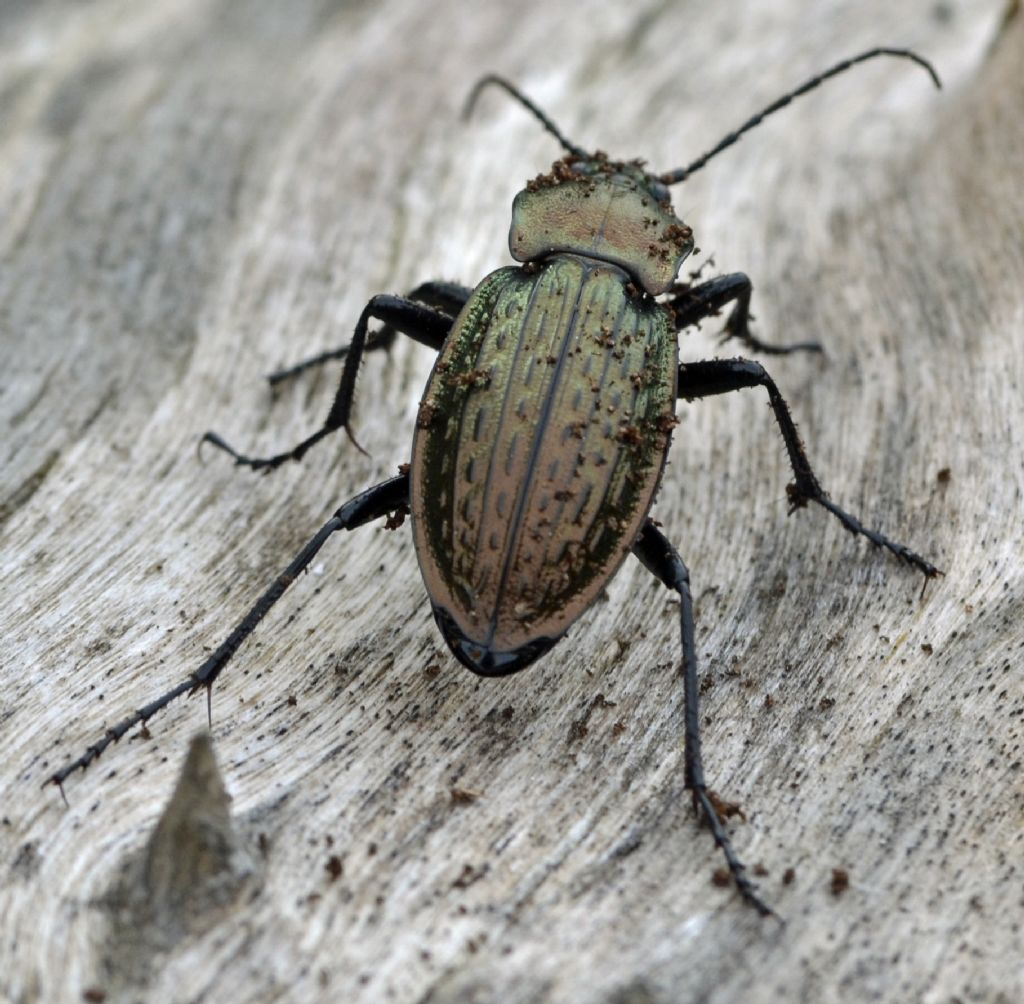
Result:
pixel 543 430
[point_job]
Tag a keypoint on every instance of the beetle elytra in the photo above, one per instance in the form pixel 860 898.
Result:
pixel 543 429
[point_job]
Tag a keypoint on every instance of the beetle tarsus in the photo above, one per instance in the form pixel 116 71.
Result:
pixel 704 804
pixel 214 439
pixel 901 551
pixel 737 327
pixel 116 732
pixel 267 464
pixel 800 495
pixel 691 304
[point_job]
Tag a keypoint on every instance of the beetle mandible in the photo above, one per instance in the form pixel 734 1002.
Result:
pixel 544 427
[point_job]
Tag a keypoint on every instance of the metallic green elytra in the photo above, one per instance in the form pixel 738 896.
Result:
pixel 540 442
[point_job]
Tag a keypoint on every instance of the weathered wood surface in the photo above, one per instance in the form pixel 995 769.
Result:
pixel 194 193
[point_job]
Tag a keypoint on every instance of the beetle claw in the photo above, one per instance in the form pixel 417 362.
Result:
pixel 354 441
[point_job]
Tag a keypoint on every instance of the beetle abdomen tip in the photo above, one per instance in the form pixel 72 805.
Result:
pixel 484 658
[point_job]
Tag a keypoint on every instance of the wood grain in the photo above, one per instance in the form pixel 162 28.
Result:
pixel 195 193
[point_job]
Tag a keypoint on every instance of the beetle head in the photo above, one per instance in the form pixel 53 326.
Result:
pixel 588 204
pixel 629 173
pixel 611 210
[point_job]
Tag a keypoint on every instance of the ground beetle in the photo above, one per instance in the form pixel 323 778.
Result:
pixel 542 434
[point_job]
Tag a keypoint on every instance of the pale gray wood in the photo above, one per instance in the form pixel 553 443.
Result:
pixel 194 193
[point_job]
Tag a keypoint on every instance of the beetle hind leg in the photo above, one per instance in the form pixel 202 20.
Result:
pixel 661 558
pixel 693 303
pixel 380 500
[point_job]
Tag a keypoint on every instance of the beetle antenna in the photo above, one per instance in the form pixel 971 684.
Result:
pixel 511 89
pixel 681 173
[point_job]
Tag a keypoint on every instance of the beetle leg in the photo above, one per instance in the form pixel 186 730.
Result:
pixel 719 376
pixel 662 559
pixel 382 339
pixel 448 297
pixel 420 322
pixel 692 304
pixel 367 506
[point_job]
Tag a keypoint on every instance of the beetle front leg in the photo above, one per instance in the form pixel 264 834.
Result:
pixel 448 297
pixel 421 323
pixel 719 376
pixel 661 558
pixel 380 500
pixel 692 304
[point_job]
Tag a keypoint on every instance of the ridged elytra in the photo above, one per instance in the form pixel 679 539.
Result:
pixel 544 426
pixel 530 484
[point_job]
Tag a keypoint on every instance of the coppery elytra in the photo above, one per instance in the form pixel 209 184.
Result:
pixel 543 430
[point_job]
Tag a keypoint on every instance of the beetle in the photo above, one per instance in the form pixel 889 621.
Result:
pixel 544 427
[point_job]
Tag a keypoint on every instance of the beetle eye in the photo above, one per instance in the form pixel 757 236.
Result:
pixel 659 192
